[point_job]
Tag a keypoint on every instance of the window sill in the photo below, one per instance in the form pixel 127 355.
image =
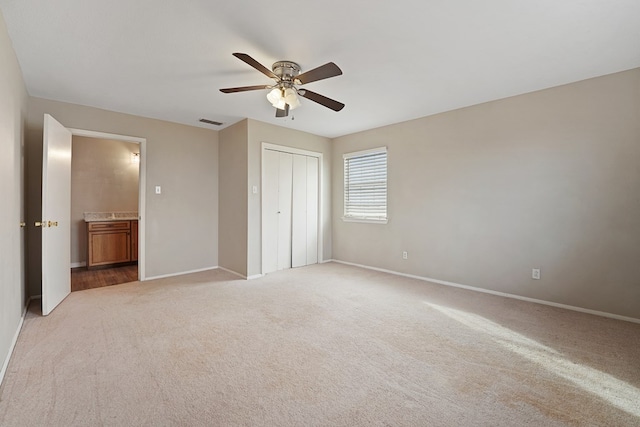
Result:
pixel 365 220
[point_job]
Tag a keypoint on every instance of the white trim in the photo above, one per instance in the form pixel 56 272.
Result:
pixel 364 152
pixel 78 264
pixel 142 213
pixel 142 186
pixel 291 150
pixel 104 135
pixel 235 273
pixel 181 273
pixel 365 220
pixel 501 294
pixel 12 347
pixel 242 276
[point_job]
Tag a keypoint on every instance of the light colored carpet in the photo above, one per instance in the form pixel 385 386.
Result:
pixel 324 345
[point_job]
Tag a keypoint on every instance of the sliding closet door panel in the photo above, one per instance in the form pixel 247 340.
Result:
pixel 299 212
pixel 270 214
pixel 284 207
pixel 312 193
pixel 290 210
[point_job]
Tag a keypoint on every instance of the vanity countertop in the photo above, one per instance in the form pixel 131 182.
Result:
pixel 110 216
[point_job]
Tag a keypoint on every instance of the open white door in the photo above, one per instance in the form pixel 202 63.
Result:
pixel 56 214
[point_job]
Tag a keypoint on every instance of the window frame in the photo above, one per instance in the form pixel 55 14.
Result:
pixel 365 219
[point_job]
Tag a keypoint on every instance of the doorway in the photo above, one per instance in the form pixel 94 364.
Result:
pixel 140 160
pixel 290 207
pixel 56 208
pixel 104 186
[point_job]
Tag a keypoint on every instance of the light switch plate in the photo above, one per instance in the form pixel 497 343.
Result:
pixel 158 189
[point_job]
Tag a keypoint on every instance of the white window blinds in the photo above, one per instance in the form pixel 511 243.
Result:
pixel 365 185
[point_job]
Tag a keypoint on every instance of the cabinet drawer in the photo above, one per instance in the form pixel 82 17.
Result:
pixel 109 225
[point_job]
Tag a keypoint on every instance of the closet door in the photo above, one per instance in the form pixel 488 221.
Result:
pixel 299 212
pixel 290 211
pixel 304 228
pixel 284 210
pixel 270 216
pixel 312 210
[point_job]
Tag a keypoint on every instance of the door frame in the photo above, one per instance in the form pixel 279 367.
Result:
pixel 290 150
pixel 142 180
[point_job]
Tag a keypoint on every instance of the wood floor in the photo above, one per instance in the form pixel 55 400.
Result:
pixel 82 279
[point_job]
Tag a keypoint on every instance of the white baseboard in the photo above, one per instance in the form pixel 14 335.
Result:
pixel 181 273
pixel 78 264
pixel 12 347
pixel 235 273
pixel 501 294
pixel 255 276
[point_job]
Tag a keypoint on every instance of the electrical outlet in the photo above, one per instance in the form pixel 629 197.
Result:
pixel 535 274
pixel 158 189
pixel 405 255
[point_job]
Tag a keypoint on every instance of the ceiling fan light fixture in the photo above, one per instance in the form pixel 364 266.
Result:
pixel 278 97
pixel 274 96
pixel 280 104
pixel 291 98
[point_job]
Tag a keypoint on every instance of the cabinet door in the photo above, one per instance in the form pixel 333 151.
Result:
pixel 109 247
pixel 134 240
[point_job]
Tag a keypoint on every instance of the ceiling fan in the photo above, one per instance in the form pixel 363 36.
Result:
pixel 284 93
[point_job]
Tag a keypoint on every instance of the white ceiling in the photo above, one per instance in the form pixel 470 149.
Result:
pixel 401 59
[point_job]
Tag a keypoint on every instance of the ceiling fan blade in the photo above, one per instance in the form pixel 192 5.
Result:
pixel 322 72
pixel 283 113
pixel 322 100
pixel 255 64
pixel 243 88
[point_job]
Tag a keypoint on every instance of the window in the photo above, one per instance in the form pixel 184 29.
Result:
pixel 365 185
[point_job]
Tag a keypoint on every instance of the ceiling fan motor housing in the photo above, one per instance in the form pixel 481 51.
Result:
pixel 286 70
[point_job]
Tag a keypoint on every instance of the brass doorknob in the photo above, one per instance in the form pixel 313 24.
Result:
pixel 40 224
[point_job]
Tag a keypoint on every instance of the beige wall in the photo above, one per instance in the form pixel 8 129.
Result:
pixel 260 132
pixel 182 222
pixel 480 196
pixel 240 208
pixel 232 226
pixel 103 179
pixel 13 110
